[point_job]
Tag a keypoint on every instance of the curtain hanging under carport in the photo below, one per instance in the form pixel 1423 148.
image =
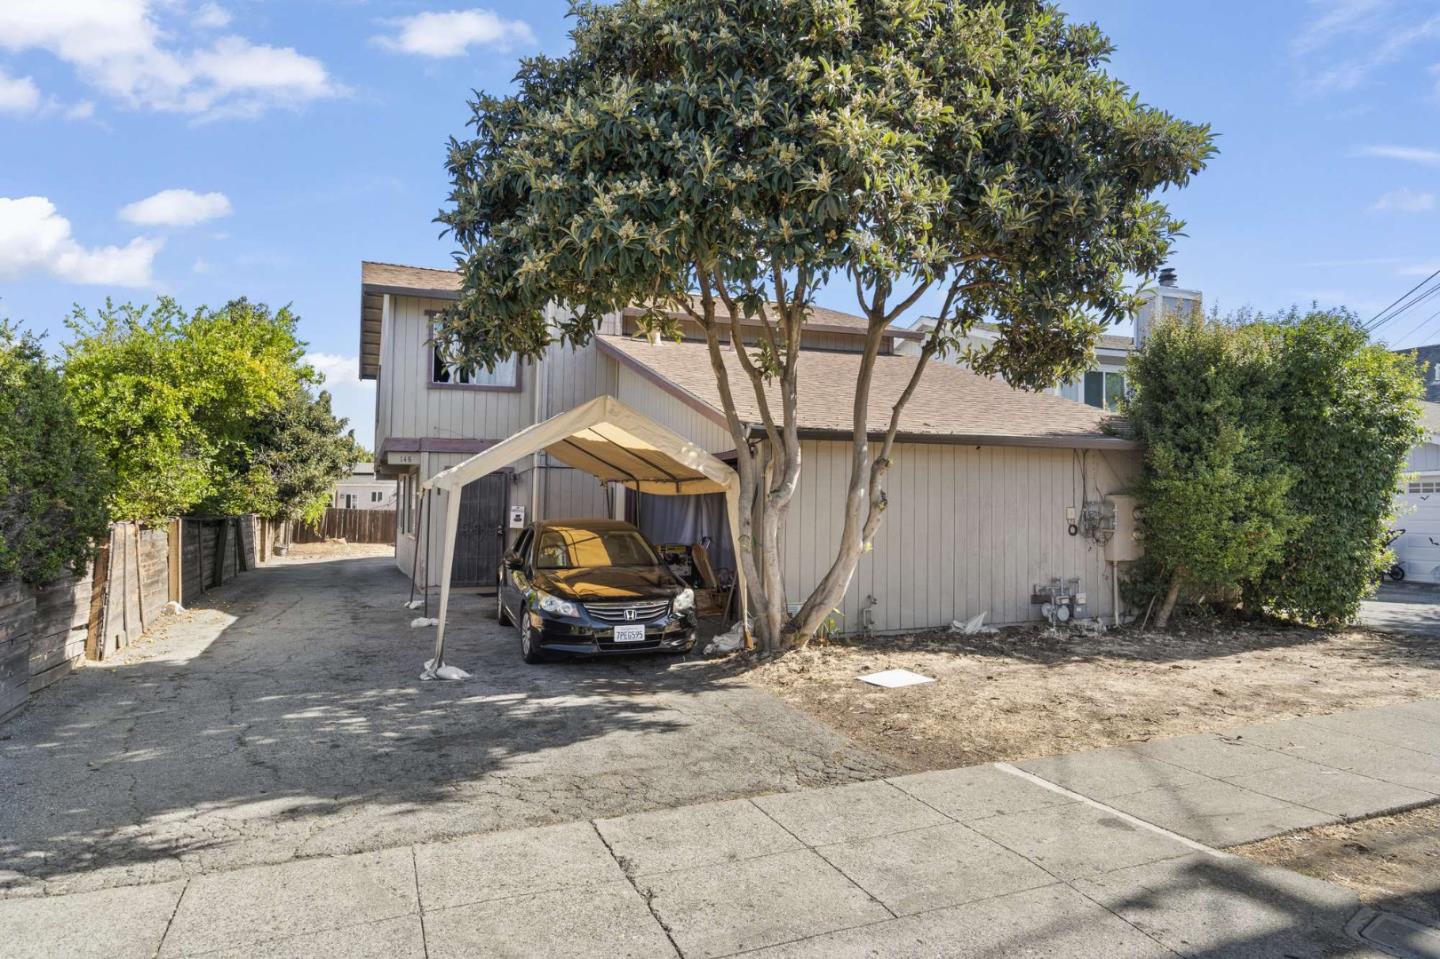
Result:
pixel 612 442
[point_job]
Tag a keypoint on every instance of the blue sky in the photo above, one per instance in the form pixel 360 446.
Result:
pixel 208 150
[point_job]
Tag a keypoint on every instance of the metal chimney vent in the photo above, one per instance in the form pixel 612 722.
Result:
pixel 1167 276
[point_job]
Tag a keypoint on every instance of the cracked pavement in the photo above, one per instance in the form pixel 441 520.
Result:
pixel 282 718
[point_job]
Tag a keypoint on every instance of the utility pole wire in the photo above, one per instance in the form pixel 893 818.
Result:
pixel 1372 323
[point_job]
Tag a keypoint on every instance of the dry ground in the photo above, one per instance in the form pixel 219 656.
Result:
pixel 1392 862
pixel 1034 692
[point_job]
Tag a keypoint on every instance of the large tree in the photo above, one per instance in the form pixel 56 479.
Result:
pixel 973 155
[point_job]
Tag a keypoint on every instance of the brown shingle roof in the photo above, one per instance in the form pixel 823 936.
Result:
pixel 951 403
pixel 820 320
pixel 394 278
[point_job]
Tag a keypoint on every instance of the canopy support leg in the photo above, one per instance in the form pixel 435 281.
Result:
pixel 436 668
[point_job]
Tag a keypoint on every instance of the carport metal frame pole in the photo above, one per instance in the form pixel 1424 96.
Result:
pixel 452 523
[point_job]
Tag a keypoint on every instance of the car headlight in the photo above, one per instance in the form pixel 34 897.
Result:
pixel 685 600
pixel 554 604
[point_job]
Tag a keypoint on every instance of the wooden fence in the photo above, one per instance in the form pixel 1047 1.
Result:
pixel 46 631
pixel 351 525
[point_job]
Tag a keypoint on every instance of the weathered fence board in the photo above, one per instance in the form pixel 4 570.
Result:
pixel 46 631
pixel 351 525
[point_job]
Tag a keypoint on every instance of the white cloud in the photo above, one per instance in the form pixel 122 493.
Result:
pixel 1418 269
pixel 18 94
pixel 82 110
pixel 1404 201
pixel 35 239
pixel 452 33
pixel 1421 155
pixel 176 208
pixel 211 16
pixel 121 48
pixel 1347 41
pixel 338 370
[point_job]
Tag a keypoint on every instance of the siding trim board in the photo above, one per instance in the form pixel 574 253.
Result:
pixel 432 444
pixel 977 440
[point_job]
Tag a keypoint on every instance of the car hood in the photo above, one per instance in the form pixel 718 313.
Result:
pixel 608 583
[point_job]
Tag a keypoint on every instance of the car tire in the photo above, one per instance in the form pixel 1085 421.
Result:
pixel 529 650
pixel 1397 573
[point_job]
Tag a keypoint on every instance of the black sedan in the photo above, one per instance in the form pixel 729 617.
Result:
pixel 593 587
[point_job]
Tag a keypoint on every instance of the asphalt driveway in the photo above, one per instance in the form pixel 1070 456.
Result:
pixel 1404 608
pixel 286 720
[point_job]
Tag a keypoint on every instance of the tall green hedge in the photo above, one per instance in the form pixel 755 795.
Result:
pixel 1274 447
pixel 54 486
pixel 1350 415
pixel 1214 493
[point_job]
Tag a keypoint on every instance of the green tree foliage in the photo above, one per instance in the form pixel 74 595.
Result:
pixel 179 403
pixel 752 150
pixel 1274 447
pixel 1214 492
pixel 1351 417
pixel 54 487
pixel 297 452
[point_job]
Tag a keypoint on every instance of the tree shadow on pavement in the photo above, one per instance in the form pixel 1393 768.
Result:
pixel 285 717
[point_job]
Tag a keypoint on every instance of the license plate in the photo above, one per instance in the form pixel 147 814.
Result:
pixel 629 634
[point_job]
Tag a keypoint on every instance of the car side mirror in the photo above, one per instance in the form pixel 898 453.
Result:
pixel 512 560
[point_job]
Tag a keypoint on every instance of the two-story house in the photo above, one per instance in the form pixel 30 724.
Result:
pixel 993 492
pixel 1103 384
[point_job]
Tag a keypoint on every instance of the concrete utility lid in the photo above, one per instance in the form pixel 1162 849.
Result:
pixel 895 678
pixel 1398 935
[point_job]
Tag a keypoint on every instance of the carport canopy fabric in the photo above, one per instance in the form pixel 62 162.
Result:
pixel 612 442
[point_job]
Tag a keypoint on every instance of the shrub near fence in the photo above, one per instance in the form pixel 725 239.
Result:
pixel 351 525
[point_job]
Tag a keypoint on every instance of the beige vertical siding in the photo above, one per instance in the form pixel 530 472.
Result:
pixel 408 406
pixel 1425 458
pixel 967 530
pixel 643 396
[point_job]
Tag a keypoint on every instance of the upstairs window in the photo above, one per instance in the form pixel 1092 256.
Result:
pixel 1104 390
pixel 505 376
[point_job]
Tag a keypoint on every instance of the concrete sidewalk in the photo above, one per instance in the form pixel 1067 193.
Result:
pixel 1104 853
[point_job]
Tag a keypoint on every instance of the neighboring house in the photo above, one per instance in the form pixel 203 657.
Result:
pixel 987 480
pixel 1103 384
pixel 1428 359
pixel 1418 506
pixel 362 489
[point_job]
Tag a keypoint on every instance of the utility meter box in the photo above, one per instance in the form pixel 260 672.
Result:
pixel 1125 545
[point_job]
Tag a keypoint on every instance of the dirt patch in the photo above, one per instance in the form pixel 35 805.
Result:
pixel 333 549
pixel 1033 692
pixel 1391 862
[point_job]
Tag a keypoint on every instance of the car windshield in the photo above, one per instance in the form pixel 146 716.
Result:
pixel 573 547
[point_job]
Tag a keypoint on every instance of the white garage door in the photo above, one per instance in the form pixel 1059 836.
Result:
pixel 1419 508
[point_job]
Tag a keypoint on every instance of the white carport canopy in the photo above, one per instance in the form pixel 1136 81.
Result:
pixel 609 440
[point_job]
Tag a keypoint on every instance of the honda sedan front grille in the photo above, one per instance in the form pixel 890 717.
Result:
pixel 642 612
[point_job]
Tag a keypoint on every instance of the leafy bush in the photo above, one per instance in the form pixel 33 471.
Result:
pixel 1214 493
pixel 1350 419
pixel 183 406
pixel 1274 447
pixel 54 486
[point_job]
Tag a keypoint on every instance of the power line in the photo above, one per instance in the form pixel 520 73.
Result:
pixel 1407 307
pixel 1375 320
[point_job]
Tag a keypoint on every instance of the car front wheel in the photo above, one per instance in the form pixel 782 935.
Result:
pixel 529 646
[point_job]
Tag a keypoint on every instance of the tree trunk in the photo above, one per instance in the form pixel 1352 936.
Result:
pixel 1162 619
